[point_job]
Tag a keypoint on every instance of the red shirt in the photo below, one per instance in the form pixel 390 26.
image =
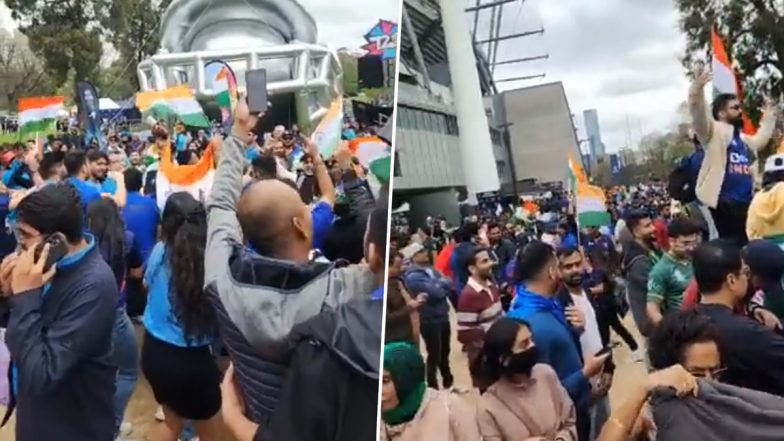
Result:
pixel 660 230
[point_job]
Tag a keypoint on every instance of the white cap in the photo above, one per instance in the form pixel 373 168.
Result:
pixel 411 250
pixel 774 163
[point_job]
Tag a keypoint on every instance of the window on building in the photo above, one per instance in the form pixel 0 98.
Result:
pixel 396 165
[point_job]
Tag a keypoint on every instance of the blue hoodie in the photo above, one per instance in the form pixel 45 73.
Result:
pixel 555 341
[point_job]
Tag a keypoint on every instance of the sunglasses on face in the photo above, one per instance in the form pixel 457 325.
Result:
pixel 714 373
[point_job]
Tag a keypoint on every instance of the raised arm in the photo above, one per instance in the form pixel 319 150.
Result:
pixel 223 229
pixel 702 122
pixel 767 125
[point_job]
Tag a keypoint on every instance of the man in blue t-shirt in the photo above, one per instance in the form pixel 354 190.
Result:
pixel 737 189
pixel 76 167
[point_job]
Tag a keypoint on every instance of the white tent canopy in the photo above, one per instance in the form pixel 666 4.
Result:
pixel 107 104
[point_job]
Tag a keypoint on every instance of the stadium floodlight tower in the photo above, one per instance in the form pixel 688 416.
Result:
pixel 278 35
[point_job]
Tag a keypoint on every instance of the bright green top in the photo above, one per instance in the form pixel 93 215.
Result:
pixel 667 282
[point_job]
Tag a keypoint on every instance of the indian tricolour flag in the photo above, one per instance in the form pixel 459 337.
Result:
pixel 177 102
pixel 591 206
pixel 38 115
pixel 195 179
pixel 576 172
pixel 724 78
pixel 327 133
pixel 375 155
pixel 226 93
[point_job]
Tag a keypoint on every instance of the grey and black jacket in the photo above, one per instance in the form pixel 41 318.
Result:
pixel 258 300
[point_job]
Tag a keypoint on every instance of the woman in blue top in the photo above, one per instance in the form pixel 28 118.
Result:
pixel 116 247
pixel 180 325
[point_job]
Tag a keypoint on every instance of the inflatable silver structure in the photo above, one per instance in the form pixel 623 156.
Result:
pixel 277 35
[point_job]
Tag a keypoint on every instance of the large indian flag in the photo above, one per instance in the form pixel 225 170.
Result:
pixel 327 133
pixel 375 155
pixel 178 102
pixel 195 179
pixel 38 115
pixel 724 78
pixel 591 206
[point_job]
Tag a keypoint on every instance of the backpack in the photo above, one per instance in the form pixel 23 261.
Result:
pixel 682 182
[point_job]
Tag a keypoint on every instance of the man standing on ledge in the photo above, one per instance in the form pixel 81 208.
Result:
pixel 725 182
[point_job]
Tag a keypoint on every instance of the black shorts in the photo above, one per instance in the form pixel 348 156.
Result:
pixel 186 380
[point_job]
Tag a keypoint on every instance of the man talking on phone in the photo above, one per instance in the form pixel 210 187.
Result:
pixel 61 321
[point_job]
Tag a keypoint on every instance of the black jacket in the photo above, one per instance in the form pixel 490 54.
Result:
pixel 566 300
pixel 635 267
pixel 331 388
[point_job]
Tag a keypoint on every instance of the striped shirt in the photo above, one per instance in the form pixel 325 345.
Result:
pixel 479 306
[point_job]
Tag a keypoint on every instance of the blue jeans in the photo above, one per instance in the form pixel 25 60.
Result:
pixel 126 357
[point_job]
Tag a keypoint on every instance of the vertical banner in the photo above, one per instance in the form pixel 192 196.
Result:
pixel 89 113
pixel 615 164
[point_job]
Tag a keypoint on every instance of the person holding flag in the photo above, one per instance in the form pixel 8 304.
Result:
pixel 725 182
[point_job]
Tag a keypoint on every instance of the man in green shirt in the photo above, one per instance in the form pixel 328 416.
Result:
pixel 671 275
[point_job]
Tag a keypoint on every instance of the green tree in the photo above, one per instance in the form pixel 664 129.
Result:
pixel 64 33
pixel 132 27
pixel 350 73
pixel 753 31
pixel 21 72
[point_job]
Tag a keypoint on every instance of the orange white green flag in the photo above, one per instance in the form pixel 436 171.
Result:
pixel 724 79
pixel 38 115
pixel 591 206
pixel 177 102
pixel 327 133
pixel 576 172
pixel 195 179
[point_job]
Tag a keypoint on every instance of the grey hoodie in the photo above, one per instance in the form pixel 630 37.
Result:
pixel 258 299
pixel 719 412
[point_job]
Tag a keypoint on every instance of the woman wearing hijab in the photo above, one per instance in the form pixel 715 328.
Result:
pixel 411 411
pixel 526 400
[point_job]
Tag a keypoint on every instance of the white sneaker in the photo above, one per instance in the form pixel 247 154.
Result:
pixel 159 416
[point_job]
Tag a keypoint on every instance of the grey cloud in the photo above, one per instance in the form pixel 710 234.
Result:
pixel 344 23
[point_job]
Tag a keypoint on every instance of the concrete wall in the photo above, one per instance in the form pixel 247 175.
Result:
pixel 542 132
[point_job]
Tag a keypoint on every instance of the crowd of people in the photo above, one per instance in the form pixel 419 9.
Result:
pixel 533 297
pixel 258 305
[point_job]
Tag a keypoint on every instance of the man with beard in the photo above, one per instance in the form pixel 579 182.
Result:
pixel 671 275
pixel 501 252
pixel 578 306
pixel 559 346
pixel 725 182
pixel 639 257
pixel 108 183
pixel 478 307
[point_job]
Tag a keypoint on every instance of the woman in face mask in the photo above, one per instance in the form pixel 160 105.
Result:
pixel 411 411
pixel 526 400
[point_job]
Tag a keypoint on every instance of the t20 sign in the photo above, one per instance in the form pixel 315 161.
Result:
pixel 382 39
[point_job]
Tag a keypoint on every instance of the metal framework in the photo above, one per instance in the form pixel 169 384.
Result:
pixel 314 70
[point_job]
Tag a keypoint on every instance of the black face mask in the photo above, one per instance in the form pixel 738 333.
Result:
pixel 522 362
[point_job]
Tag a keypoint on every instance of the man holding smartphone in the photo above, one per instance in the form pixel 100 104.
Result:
pixel 581 313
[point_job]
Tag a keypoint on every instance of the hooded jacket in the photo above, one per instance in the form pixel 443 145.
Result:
pixel 258 300
pixel 766 214
pixel 635 267
pixel 718 412
pixel 423 279
pixel 331 387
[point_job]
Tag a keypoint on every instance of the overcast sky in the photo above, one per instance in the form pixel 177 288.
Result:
pixel 340 23
pixel 620 57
